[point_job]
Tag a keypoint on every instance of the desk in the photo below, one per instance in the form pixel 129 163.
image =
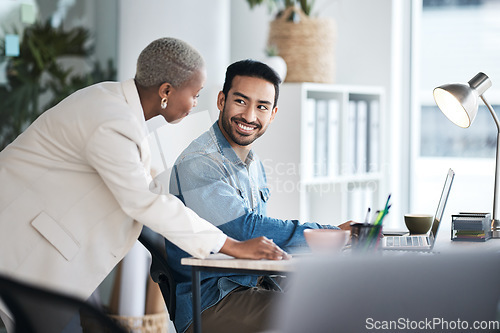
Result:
pixel 223 263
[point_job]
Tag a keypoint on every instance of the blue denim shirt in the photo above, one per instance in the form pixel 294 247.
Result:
pixel 213 181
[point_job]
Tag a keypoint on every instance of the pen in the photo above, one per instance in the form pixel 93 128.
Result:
pixel 384 212
pixel 375 217
pixel 373 235
pixel 387 202
pixel 367 217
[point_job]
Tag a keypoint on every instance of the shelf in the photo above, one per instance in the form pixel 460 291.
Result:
pixel 322 153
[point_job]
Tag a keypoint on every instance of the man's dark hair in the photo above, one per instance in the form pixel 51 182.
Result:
pixel 252 68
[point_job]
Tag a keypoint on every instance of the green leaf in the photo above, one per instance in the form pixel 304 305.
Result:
pixel 37 71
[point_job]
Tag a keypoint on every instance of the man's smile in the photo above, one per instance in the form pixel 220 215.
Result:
pixel 245 128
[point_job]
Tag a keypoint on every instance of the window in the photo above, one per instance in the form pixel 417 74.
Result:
pixel 456 40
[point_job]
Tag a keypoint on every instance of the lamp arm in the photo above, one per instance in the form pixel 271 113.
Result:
pixel 493 114
pixel 495 222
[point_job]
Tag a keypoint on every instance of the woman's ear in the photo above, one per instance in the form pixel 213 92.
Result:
pixel 164 90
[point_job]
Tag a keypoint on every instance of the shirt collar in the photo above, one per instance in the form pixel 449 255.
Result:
pixel 225 148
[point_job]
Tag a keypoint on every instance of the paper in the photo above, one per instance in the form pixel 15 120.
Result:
pixel 28 13
pixel 321 129
pixel 361 137
pixel 333 138
pixel 310 139
pixel 12 45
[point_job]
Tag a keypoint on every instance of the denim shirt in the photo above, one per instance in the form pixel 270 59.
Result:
pixel 212 180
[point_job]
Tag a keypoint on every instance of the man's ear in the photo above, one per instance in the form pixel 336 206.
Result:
pixel 165 90
pixel 221 100
pixel 273 114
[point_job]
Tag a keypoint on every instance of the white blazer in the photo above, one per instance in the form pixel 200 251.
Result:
pixel 72 187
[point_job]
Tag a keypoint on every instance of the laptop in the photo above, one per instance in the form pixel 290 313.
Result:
pixel 422 242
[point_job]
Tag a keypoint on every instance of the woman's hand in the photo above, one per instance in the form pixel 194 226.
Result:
pixel 255 248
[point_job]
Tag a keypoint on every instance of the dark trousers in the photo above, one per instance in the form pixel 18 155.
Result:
pixel 244 310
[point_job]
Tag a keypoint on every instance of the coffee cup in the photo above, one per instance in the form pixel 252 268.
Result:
pixel 326 240
pixel 418 223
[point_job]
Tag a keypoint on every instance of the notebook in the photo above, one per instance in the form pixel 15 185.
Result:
pixel 422 242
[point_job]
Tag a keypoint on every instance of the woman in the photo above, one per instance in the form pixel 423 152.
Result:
pixel 75 185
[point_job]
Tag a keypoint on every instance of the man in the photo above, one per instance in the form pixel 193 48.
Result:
pixel 222 179
pixel 75 185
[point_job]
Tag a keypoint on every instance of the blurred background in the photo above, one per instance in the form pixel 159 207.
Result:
pixel 405 47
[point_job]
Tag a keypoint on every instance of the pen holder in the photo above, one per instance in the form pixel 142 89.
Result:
pixel 365 237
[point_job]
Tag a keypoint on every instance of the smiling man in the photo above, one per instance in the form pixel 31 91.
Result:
pixel 222 179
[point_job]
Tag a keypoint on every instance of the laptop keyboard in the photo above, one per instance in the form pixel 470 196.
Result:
pixel 407 241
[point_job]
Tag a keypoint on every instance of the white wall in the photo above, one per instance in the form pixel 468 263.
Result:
pixel 203 24
pixel 249 30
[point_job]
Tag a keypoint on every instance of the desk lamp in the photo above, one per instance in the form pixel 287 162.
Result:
pixel 459 103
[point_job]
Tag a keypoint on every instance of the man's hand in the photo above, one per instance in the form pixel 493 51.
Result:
pixel 255 248
pixel 345 225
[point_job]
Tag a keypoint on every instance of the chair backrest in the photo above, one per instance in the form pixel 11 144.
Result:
pixel 160 272
pixel 37 310
pixel 167 141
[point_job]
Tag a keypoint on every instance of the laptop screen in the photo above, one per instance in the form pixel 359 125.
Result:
pixel 442 202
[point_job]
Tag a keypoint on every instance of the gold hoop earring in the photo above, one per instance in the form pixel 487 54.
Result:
pixel 164 103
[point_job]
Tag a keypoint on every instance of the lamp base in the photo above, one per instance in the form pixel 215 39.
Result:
pixel 495 228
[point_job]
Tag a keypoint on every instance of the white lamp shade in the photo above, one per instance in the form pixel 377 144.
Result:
pixel 458 102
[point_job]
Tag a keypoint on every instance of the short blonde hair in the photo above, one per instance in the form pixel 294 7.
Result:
pixel 167 60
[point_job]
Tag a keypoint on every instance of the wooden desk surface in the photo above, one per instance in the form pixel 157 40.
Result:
pixel 220 260
pixel 443 245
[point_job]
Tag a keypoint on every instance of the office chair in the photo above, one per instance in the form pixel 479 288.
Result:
pixel 163 157
pixel 37 310
pixel 160 272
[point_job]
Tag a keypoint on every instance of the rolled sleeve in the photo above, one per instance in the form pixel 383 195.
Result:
pixel 205 186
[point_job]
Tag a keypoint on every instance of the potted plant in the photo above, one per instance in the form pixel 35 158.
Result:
pixel 281 5
pixel 37 79
pixel 306 43
pixel 273 60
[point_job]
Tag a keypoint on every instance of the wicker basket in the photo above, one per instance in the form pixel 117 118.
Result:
pixel 307 46
pixel 151 323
